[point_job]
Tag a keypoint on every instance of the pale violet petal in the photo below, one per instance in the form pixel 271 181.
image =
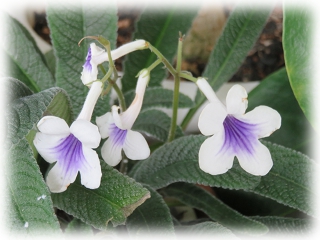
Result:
pixel 259 162
pixel 86 132
pixel 211 118
pixel 90 169
pixel 57 180
pixel 103 123
pixel 212 158
pixel 136 146
pixel 45 143
pixel 111 152
pixel 265 118
pixel 90 69
pixel 236 100
pixel 53 125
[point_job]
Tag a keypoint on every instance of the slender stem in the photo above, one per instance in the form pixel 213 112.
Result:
pixel 191 113
pixel 189 77
pixel 175 105
pixel 153 65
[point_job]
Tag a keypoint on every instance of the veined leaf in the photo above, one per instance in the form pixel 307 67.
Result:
pixel 156 124
pixel 242 30
pixel 116 198
pixel 159 97
pixel 24 60
pixel 160 26
pixel 69 22
pixel 198 198
pixel 297 35
pixel 14 89
pixel 289 180
pixel 151 217
pixel 78 228
pixel 177 161
pixel 30 207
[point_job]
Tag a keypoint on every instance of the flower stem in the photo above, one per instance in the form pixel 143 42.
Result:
pixel 175 105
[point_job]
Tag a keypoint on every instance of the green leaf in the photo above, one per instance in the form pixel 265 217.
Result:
pixel 30 208
pixel 156 124
pixel 161 28
pixel 177 161
pixel 24 59
pixel 286 226
pixel 275 92
pixel 151 217
pixel 51 61
pixel 78 228
pixel 297 35
pixel 116 198
pixel 242 30
pixel 198 198
pixel 205 230
pixel 159 97
pixel 14 89
pixel 69 22
pixel 289 181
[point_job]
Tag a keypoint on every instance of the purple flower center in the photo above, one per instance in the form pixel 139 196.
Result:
pixel 87 64
pixel 70 155
pixel 117 135
pixel 240 136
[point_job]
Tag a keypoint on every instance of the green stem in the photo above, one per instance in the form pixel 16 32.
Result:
pixel 188 76
pixel 153 65
pixel 175 105
pixel 191 113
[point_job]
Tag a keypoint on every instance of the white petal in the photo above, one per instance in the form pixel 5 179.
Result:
pixel 127 48
pixel 45 143
pixel 86 132
pixel 206 89
pixel 116 117
pixel 259 163
pixel 212 159
pixel 53 125
pixel 136 146
pixel 57 180
pixel 267 120
pixel 236 100
pixel 111 153
pixel 90 170
pixel 211 118
pixel 103 123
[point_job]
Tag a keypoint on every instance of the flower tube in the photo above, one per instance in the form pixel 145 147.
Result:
pixel 71 148
pixel 97 55
pixel 234 132
pixel 117 128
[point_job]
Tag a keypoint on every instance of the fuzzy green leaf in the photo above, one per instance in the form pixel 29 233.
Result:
pixel 151 217
pixel 177 161
pixel 160 27
pixel 116 198
pixel 198 198
pixel 156 124
pixel 24 60
pixel 297 37
pixel 69 22
pixel 78 228
pixel 159 97
pixel 14 89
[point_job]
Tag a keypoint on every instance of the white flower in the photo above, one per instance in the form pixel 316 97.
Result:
pixel 117 128
pixel 71 148
pixel 234 132
pixel 97 55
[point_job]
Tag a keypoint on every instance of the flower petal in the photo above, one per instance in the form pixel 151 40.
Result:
pixel 103 123
pixel 206 89
pixel 211 118
pixel 135 146
pixel 45 143
pixel 236 100
pixel 212 159
pixel 86 132
pixel 265 118
pixel 111 152
pixel 90 169
pixel 53 125
pixel 57 180
pixel 259 162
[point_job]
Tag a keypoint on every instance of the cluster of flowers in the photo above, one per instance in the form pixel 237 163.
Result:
pixel 71 148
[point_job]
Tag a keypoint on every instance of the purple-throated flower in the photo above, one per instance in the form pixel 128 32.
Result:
pixel 234 132
pixel 71 148
pixel 97 55
pixel 117 128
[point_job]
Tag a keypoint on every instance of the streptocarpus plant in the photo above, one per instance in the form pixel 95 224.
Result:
pixel 62 123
